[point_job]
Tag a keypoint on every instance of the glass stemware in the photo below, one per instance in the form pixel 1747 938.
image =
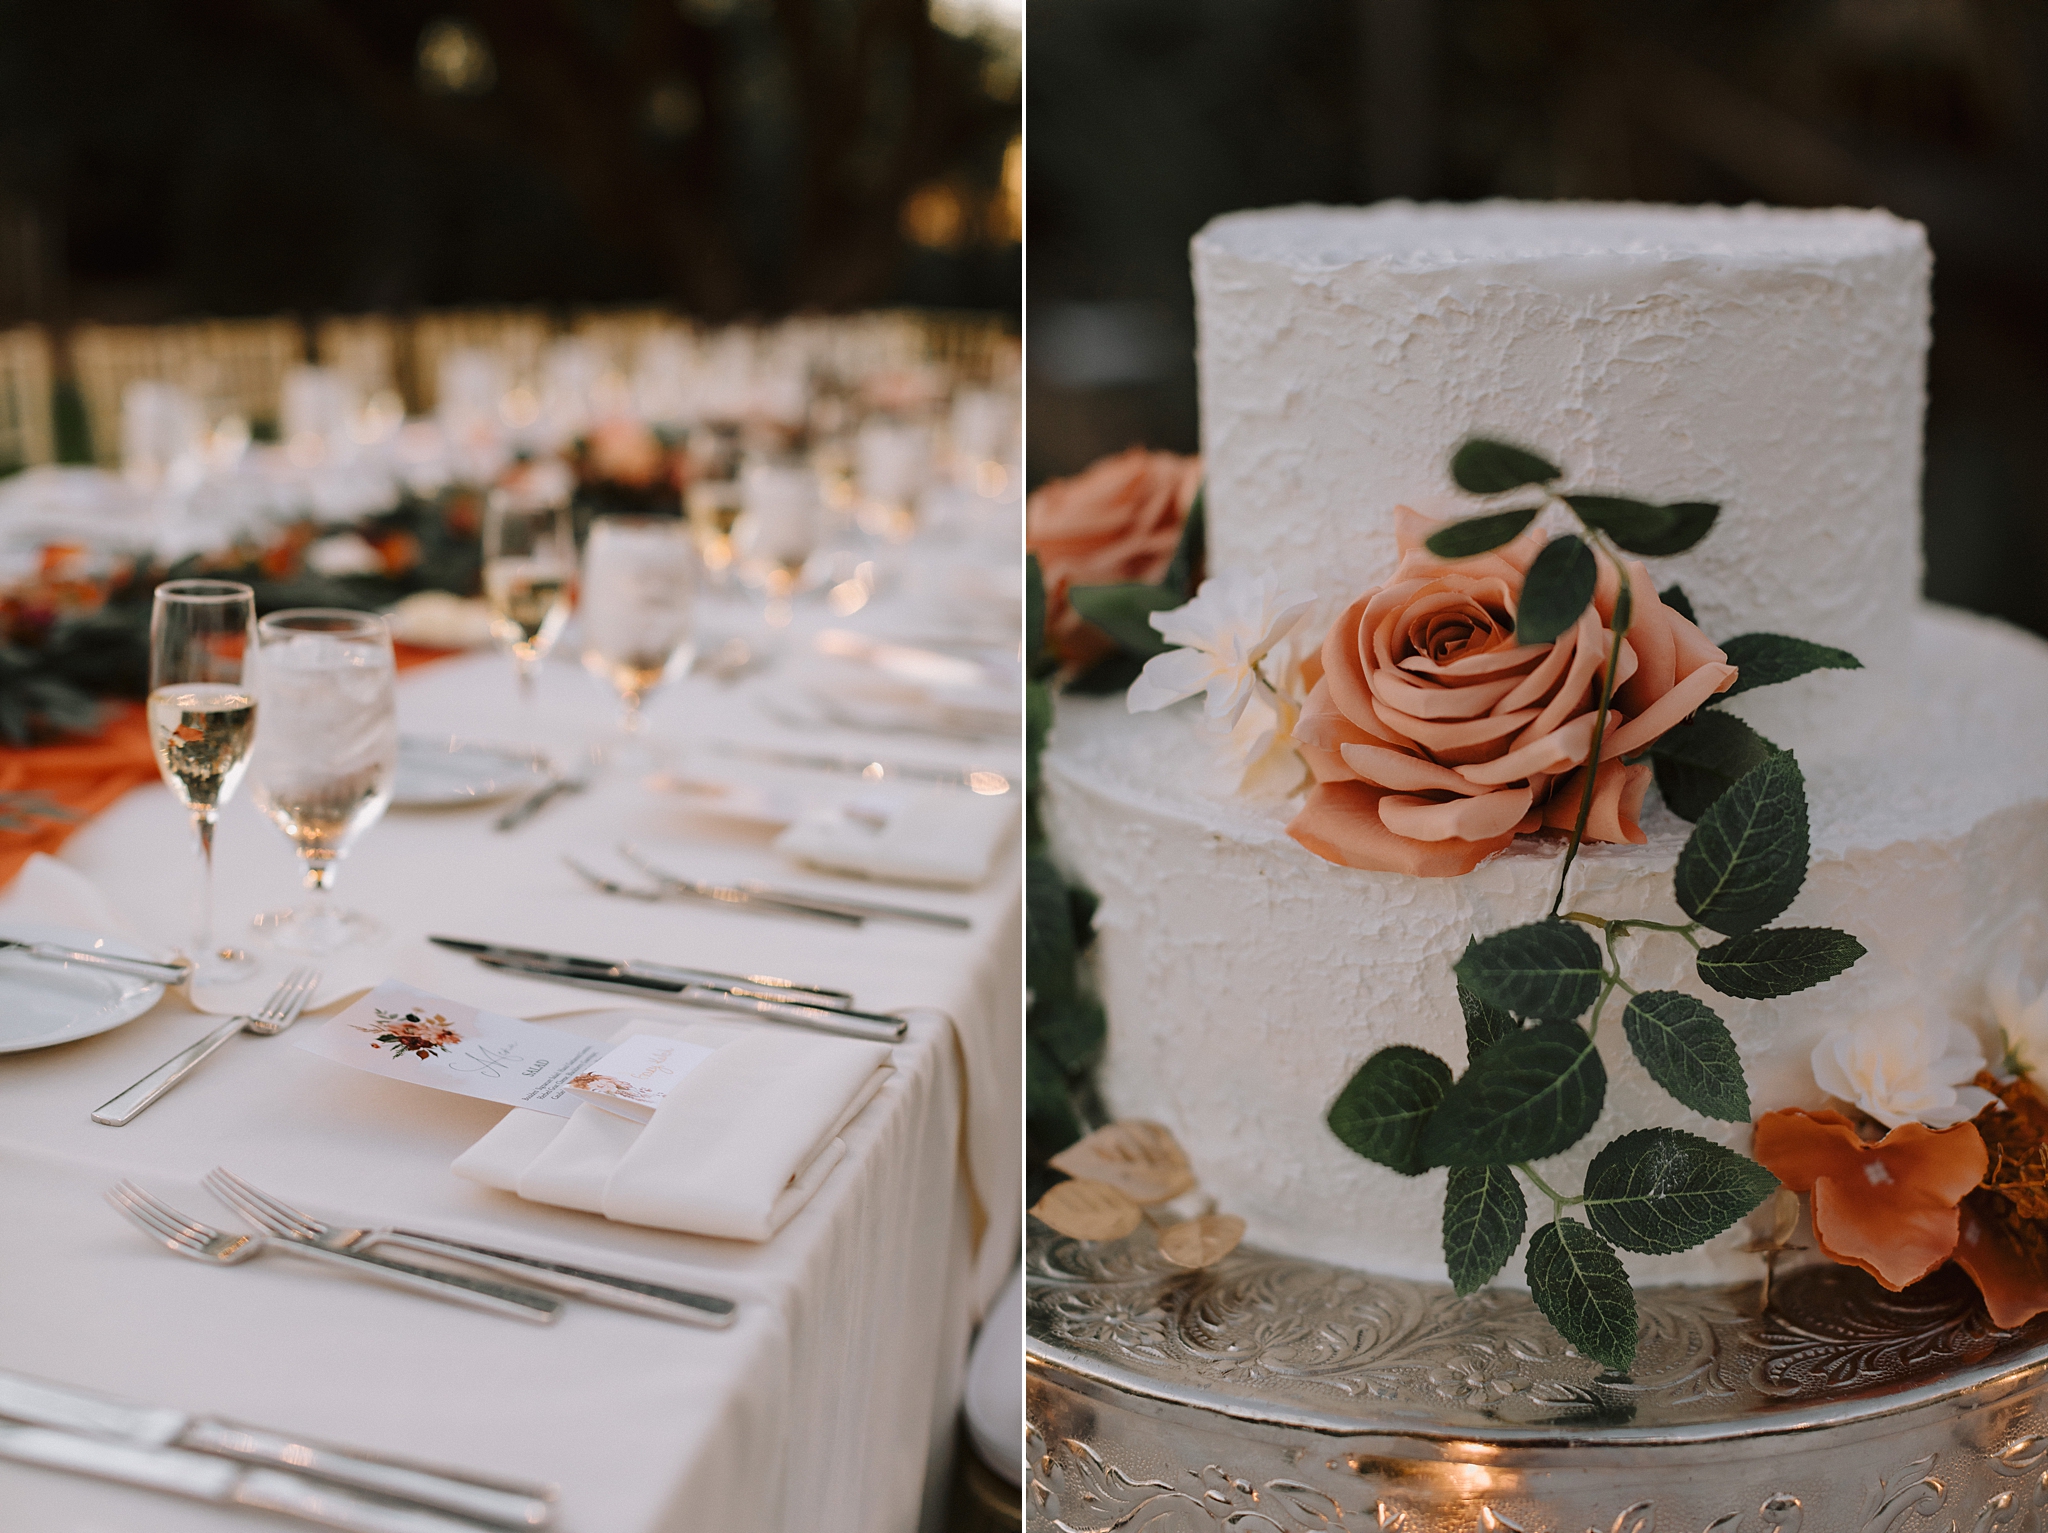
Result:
pixel 529 551
pixel 330 755
pixel 780 520
pixel 638 605
pixel 202 724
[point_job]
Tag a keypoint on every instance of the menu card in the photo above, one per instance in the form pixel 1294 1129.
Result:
pixel 408 1035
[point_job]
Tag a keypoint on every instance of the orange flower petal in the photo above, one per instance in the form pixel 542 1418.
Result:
pixel 1889 1207
pixel 1403 773
pixel 1461 819
pixel 1618 794
pixel 2014 1289
pixel 1341 823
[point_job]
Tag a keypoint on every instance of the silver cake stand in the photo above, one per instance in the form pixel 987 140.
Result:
pixel 1270 1394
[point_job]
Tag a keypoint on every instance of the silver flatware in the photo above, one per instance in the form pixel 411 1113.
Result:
pixel 226 1248
pixel 539 799
pixel 978 779
pixel 166 973
pixel 717 894
pixel 643 1298
pixel 623 980
pixel 876 910
pixel 502 1503
pixel 765 986
pixel 204 1477
pixel 273 1016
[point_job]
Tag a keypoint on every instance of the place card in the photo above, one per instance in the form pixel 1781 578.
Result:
pixel 634 1078
pixel 405 1034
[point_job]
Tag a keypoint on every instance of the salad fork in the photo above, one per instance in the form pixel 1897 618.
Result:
pixel 273 1016
pixel 226 1248
pixel 288 1223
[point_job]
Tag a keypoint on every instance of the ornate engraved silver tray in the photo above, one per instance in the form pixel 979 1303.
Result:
pixel 1269 1394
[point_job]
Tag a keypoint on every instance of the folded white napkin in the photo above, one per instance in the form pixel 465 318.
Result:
pixel 736 1149
pixel 934 836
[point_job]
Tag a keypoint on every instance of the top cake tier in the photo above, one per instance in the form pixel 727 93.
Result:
pixel 1770 360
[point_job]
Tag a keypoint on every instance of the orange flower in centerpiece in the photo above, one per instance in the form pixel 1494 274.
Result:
pixel 1115 523
pixel 1436 737
pixel 1890 1207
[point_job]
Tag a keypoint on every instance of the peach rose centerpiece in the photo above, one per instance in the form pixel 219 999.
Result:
pixel 1117 522
pixel 1436 737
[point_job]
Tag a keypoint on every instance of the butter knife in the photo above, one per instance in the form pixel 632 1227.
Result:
pixel 622 980
pixel 204 1477
pixel 139 968
pixel 763 986
pixel 538 800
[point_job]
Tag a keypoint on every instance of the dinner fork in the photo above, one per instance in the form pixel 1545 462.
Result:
pixel 273 1016
pixel 225 1248
pixel 288 1223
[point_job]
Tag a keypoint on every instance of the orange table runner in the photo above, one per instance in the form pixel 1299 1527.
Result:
pixel 85 776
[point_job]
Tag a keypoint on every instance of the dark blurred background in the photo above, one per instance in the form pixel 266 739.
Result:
pixel 731 158
pixel 1148 117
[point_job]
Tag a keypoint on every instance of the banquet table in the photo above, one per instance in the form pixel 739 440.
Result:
pixel 829 1403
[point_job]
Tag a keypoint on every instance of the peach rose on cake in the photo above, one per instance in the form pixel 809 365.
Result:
pixel 1436 738
pixel 1115 523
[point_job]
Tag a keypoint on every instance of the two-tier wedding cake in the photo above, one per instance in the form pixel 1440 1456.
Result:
pixel 1260 941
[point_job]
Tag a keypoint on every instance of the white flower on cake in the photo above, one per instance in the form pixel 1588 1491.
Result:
pixel 1231 625
pixel 2016 985
pixel 1261 745
pixel 1900 1066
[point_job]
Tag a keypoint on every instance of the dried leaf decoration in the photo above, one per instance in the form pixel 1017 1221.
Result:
pixel 1088 1210
pixel 2017 1140
pixel 1142 1160
pixel 1202 1242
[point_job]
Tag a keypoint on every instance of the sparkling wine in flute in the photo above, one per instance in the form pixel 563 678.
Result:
pixel 201 733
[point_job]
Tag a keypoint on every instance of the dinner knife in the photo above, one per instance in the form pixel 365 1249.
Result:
pixel 138 968
pixel 622 980
pixel 203 1477
pixel 503 1503
pixel 823 903
pixel 765 986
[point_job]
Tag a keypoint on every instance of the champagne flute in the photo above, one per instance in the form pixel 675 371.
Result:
pixel 529 549
pixel 639 605
pixel 330 757
pixel 202 723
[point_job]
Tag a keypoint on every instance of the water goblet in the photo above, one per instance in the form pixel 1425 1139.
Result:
pixel 529 552
pixel 778 529
pixel 330 756
pixel 202 725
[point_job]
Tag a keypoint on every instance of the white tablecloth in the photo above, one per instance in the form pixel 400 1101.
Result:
pixel 820 1408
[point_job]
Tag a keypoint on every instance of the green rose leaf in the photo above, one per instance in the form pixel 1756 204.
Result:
pixel 1779 960
pixel 1382 1110
pixel 1484 467
pixel 1485 1023
pixel 1188 552
pixel 1675 598
pixel 1560 584
pixel 1641 528
pixel 1549 971
pixel 1747 857
pixel 1697 762
pixel 1688 1051
pixel 1660 1190
pixel 1484 1215
pixel 1120 612
pixel 1529 1096
pixel 1578 1282
pixel 1049 935
pixel 1765 659
pixel 1479 534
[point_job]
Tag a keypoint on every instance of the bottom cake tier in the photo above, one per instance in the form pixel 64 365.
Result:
pixel 1246 979
pixel 1271 1394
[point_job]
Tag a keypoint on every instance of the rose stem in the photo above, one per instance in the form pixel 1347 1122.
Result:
pixel 1624 605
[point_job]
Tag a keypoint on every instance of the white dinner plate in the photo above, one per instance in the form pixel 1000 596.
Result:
pixel 42 1002
pixel 441 773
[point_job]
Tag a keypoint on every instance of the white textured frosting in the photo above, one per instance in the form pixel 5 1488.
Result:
pixel 1246 979
pixel 1772 361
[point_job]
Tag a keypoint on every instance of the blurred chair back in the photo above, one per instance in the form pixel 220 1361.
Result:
pixel 27 429
pixel 232 367
pixel 363 348
pixel 516 337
